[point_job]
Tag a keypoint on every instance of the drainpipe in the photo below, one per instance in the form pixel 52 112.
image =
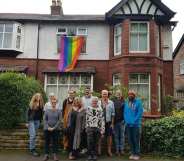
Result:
pixel 37 52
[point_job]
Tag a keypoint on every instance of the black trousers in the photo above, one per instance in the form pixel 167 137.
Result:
pixel 93 135
pixel 51 136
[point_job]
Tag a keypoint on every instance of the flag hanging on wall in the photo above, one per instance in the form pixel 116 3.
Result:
pixel 70 51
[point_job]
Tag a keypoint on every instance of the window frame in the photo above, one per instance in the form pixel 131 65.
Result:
pixel 181 67
pixel 113 79
pixel 115 36
pixel 68 85
pixel 149 87
pixel 77 34
pixel 148 37
pixel 15 34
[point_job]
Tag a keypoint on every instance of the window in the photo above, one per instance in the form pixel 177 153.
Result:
pixel 159 92
pixel 10 36
pixel 182 67
pixel 60 84
pixel 72 31
pixel 139 37
pixel 116 79
pixel 117 39
pixel 141 84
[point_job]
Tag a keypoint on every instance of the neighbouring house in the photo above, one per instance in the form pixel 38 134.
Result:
pixel 131 45
pixel 178 65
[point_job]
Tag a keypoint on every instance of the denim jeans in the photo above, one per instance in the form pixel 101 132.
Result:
pixel 119 131
pixel 134 139
pixel 51 137
pixel 33 127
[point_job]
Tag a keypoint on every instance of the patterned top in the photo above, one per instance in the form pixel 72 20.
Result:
pixel 95 118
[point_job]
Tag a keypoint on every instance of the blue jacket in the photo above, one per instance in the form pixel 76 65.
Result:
pixel 133 115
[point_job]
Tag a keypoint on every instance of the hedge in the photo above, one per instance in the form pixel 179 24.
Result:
pixel 16 91
pixel 164 136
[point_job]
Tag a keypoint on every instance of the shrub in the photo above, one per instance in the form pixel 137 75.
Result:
pixel 168 104
pixel 165 135
pixel 16 91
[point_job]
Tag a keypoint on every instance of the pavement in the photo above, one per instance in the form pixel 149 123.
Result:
pixel 25 156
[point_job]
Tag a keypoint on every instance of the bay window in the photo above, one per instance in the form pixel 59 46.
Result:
pixel 141 84
pixel 11 36
pixel 139 37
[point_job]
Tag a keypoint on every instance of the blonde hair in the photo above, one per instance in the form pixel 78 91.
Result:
pixel 36 101
pixel 77 99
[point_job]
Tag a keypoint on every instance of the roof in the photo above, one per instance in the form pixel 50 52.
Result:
pixel 15 68
pixel 158 3
pixel 88 70
pixel 49 17
pixel 178 46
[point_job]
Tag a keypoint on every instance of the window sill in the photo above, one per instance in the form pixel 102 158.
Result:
pixel 9 52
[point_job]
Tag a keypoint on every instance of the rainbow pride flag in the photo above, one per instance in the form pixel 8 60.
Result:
pixel 70 51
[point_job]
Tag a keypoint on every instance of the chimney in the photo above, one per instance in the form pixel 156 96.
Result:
pixel 56 8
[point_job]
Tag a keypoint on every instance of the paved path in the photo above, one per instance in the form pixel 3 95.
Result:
pixel 25 156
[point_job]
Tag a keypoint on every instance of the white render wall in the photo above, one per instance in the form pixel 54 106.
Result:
pixel 30 37
pixel 97 41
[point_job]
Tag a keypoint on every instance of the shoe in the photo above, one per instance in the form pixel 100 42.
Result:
pixel 90 158
pixel 131 157
pixel 46 157
pixel 117 153
pixel 55 157
pixel 109 154
pixel 94 157
pixel 122 152
pixel 34 153
pixel 136 157
pixel 71 157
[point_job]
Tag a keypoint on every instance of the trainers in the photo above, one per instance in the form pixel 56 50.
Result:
pixel 90 158
pixel 131 157
pixel 136 157
pixel 46 157
pixel 34 153
pixel 55 157
pixel 94 157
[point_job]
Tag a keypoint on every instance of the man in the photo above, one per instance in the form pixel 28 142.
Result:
pixel 119 125
pixel 109 114
pixel 67 107
pixel 87 98
pixel 133 116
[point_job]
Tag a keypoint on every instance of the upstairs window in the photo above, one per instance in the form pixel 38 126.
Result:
pixel 10 36
pixel 139 37
pixel 117 39
pixel 72 31
pixel 182 67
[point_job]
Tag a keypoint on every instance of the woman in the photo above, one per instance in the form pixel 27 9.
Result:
pixel 76 124
pixel 34 117
pixel 52 120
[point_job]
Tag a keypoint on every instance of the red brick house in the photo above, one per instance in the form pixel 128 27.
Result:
pixel 178 65
pixel 131 44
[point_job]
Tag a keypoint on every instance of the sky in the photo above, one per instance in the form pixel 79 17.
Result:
pixel 88 7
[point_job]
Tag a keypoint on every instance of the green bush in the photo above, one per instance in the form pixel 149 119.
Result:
pixel 165 136
pixel 168 105
pixel 16 91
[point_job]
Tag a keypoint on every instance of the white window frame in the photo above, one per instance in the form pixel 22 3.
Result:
pixel 148 37
pixel 77 34
pixel 149 86
pixel 80 84
pixel 14 36
pixel 119 52
pixel 159 92
pixel 182 67
pixel 113 79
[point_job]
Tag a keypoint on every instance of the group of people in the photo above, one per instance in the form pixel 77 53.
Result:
pixel 85 122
